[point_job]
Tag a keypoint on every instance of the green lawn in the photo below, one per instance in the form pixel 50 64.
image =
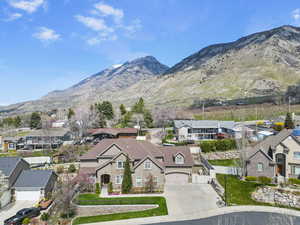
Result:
pixel 223 162
pixel 238 191
pixel 93 199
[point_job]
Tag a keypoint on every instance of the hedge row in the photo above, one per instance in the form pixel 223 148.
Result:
pixel 218 145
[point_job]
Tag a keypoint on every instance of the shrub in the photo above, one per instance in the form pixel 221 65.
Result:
pixel 26 221
pixel 72 168
pixel 264 180
pixel 250 178
pixel 60 169
pixel 218 145
pixel 294 181
pixel 45 216
pixel 110 188
pixel 97 190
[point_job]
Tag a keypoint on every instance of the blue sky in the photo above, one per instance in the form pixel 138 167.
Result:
pixel 52 44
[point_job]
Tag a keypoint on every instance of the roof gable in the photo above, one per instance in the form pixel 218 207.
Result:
pixel 154 161
pixel 9 164
pixel 33 178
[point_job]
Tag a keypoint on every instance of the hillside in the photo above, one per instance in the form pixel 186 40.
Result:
pixel 260 64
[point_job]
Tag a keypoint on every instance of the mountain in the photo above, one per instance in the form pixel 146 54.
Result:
pixel 259 64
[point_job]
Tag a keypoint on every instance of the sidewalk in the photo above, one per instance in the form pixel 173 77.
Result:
pixel 200 215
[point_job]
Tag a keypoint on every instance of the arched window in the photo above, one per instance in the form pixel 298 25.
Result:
pixel 179 159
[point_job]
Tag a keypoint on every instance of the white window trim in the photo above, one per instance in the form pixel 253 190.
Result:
pixel 139 181
pixel 145 163
pixel 123 164
pixel 179 162
pixel 262 168
pixel 296 157
pixel 119 177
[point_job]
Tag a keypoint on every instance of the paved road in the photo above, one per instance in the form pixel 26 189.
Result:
pixel 241 218
pixel 190 199
pixel 12 209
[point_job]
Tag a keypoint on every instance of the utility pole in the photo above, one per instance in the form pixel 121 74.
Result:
pixel 203 111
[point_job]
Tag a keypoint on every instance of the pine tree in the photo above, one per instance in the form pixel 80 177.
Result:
pixel 127 179
pixel 17 122
pixel 148 118
pixel 35 120
pixel 71 113
pixel 139 106
pixel 122 110
pixel 289 124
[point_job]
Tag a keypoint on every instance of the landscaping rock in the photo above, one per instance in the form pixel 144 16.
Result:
pixel 111 209
pixel 275 195
pixel 221 155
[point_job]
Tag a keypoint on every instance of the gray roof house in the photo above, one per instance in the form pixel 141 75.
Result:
pixel 276 156
pixel 34 184
pixel 11 167
pixel 203 129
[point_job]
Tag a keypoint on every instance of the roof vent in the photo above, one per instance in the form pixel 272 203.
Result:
pixel 296 131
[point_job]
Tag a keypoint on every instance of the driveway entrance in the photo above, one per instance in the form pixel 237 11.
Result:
pixel 177 178
pixel 12 209
pixel 189 199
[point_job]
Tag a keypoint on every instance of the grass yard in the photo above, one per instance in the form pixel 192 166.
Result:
pixel 223 162
pixel 93 199
pixel 239 192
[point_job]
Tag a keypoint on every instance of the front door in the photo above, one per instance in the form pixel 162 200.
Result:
pixel 105 178
pixel 280 161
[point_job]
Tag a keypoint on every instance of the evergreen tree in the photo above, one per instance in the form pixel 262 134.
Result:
pixel 122 110
pixel 127 179
pixel 17 122
pixel 289 124
pixel 139 106
pixel 71 113
pixel 35 120
pixel 106 109
pixel 148 119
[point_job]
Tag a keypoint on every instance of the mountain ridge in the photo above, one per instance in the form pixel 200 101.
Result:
pixel 259 64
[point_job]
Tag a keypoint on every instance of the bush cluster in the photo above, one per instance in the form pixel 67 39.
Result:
pixel 250 178
pixel 263 180
pixel 218 145
pixel 97 191
pixel 294 181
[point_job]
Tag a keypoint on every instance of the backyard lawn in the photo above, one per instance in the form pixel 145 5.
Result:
pixel 93 199
pixel 223 162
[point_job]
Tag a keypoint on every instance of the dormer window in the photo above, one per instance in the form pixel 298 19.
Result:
pixel 120 165
pixel 179 159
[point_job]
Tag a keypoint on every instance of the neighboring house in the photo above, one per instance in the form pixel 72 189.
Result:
pixel 196 130
pixel 105 162
pixel 8 143
pixel 276 156
pixel 45 138
pixel 103 133
pixel 11 167
pixel 59 124
pixel 34 185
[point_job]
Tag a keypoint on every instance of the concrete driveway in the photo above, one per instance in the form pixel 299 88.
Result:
pixel 190 199
pixel 13 208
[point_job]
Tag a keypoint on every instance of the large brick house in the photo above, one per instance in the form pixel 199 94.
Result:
pixel 276 156
pixel 172 165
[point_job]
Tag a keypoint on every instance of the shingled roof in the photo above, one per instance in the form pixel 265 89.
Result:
pixel 170 152
pixel 270 142
pixel 9 164
pixel 136 150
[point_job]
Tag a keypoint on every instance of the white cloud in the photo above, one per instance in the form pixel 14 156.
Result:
pixel 29 6
pixel 107 10
pixel 296 16
pixel 13 16
pixel 45 34
pixel 107 22
pixel 94 23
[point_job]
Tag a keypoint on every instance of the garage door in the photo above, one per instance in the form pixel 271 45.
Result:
pixel 177 178
pixel 28 195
